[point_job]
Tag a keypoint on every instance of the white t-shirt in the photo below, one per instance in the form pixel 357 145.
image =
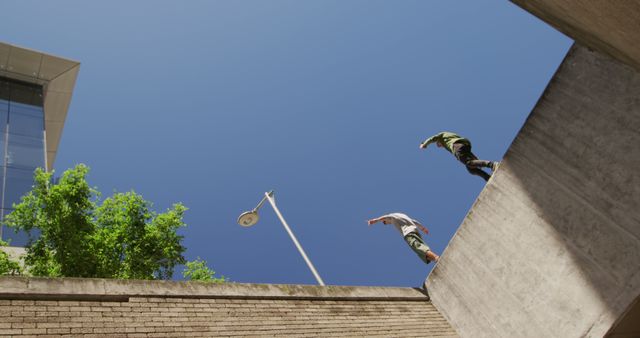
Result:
pixel 402 222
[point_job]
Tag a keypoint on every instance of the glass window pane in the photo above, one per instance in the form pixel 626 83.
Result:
pixel 3 121
pixel 27 109
pixel 2 148
pixel 19 91
pixel 19 182
pixel 2 186
pixel 24 94
pixel 15 239
pixel 5 89
pixel 27 125
pixel 4 105
pixel 25 152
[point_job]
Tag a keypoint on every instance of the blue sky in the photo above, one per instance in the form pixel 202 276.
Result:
pixel 212 103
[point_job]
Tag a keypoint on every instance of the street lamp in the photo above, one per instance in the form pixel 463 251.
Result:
pixel 250 218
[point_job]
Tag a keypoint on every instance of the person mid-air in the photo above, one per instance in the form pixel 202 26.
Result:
pixel 408 227
pixel 460 147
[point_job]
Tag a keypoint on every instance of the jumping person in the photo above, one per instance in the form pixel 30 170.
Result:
pixel 460 147
pixel 408 227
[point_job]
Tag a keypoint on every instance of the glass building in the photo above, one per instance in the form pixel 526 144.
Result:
pixel 35 92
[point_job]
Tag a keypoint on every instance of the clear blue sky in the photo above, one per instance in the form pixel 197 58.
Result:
pixel 212 103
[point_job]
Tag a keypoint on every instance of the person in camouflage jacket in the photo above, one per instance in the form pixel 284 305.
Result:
pixel 460 147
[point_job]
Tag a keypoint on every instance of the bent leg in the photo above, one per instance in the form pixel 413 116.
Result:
pixel 463 153
pixel 472 163
pixel 471 160
pixel 478 172
pixel 479 163
pixel 420 248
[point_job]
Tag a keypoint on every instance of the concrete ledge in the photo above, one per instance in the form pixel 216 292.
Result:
pixel 115 289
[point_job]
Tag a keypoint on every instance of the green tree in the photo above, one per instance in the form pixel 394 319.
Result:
pixel 80 237
pixel 198 271
pixel 7 265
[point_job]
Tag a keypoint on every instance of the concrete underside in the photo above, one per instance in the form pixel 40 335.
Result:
pixel 73 307
pixel 611 27
pixel 551 248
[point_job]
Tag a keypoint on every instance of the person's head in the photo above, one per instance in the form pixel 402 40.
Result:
pixel 439 144
pixel 384 220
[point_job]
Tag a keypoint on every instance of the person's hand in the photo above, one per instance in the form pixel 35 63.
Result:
pixel 423 146
pixel 423 229
pixel 371 222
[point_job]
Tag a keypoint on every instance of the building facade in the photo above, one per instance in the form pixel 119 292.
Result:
pixel 35 92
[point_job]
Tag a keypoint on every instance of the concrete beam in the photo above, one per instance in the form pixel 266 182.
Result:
pixel 551 247
pixel 611 27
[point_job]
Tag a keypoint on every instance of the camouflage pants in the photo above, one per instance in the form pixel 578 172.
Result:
pixel 463 153
pixel 418 246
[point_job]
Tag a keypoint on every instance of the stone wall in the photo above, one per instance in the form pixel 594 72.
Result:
pixel 37 307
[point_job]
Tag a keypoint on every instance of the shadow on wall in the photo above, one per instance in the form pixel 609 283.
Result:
pixel 551 246
pixel 629 324
pixel 577 159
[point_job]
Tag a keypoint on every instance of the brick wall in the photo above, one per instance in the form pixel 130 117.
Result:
pixel 34 307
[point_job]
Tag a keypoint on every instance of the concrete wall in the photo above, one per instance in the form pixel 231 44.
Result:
pixel 610 26
pixel 16 253
pixel 33 307
pixel 551 248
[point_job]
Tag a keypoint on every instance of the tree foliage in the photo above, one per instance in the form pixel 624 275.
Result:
pixel 198 271
pixel 81 237
pixel 7 265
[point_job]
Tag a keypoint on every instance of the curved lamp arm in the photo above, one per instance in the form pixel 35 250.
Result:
pixel 250 218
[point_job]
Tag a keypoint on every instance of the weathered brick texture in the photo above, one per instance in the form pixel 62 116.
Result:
pixel 72 308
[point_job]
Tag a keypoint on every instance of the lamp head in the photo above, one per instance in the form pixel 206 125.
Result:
pixel 248 218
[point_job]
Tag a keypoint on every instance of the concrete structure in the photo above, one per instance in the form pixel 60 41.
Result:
pixel 551 248
pixel 16 253
pixel 35 92
pixel 117 308
pixel 56 75
pixel 611 27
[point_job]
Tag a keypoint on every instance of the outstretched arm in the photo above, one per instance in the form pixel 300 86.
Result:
pixel 376 220
pixel 430 140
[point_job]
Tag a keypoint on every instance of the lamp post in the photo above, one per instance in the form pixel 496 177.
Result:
pixel 250 218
